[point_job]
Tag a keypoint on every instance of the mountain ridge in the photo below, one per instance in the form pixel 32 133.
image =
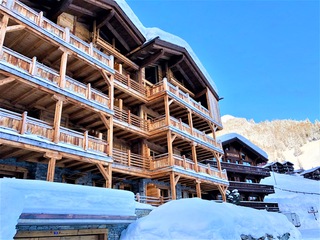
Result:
pixel 283 140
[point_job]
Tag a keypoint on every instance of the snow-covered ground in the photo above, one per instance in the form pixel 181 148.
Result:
pixel 195 218
pixel 181 219
pixel 297 195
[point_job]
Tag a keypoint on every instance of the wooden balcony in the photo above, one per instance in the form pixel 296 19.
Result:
pixel 162 161
pixel 251 187
pixel 204 138
pixel 129 83
pixel 32 18
pixel 238 168
pixel 48 75
pixel 131 120
pixel 129 159
pixel 42 131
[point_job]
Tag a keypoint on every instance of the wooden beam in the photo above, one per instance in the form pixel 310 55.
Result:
pixel 6 80
pixel 194 156
pixel 82 10
pixel 51 169
pixel 110 137
pixel 167 109
pixel 14 28
pixel 3 28
pixel 170 150
pixel 198 188
pixel 63 69
pixel 57 120
pixel 152 58
pixel 117 35
pixel 177 179
pixel 173 186
pixel 106 173
pixel 103 21
pixel 104 120
pixel 222 190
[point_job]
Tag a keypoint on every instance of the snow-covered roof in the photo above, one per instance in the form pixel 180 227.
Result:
pixel 231 136
pixel 310 170
pixel 271 163
pixel 152 33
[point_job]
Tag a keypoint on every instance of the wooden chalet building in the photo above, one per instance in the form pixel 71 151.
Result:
pixel 278 167
pixel 243 161
pixel 87 99
pixel 313 173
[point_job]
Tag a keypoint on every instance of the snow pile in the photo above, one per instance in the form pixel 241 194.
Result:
pixel 195 218
pixel 31 196
pixel 291 192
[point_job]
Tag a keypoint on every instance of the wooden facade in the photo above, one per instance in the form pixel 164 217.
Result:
pixel 83 93
pixel 243 162
pixel 278 167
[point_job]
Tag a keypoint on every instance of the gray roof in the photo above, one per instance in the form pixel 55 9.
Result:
pixel 310 170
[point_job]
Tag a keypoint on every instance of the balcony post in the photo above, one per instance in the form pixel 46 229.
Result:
pixel 184 162
pixel 129 117
pixel 40 19
pixel 85 140
pixel 167 109
pixel 57 118
pixel 129 157
pixel 51 164
pixel 198 188
pixel 194 156
pixel 88 91
pixel 170 151
pixel 33 66
pixel 173 186
pixel 110 136
pixel 63 69
pixel 3 28
pixel 190 121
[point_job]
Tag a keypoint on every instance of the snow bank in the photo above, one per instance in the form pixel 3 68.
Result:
pixel 201 219
pixel 32 196
pixel 297 195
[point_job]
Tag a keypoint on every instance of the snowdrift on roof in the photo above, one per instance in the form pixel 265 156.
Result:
pixel 230 136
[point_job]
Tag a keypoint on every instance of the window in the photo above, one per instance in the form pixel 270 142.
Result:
pixel 246 163
pixel 248 180
pixel 237 162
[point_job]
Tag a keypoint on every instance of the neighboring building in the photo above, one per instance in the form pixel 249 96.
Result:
pixel 243 160
pixel 313 173
pixel 288 167
pixel 87 99
pixel 284 167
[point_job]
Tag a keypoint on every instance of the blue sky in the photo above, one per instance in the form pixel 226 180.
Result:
pixel 262 55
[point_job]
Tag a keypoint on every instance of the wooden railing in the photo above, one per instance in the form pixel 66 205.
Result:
pixel 161 122
pixel 130 83
pixel 23 124
pixel 154 201
pixel 245 169
pixel 129 159
pixel 39 70
pixel 131 119
pixel 251 187
pixel 162 160
pixel 270 207
pixel 63 33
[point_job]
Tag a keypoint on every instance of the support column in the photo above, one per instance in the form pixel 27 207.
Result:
pixel 222 190
pixel 218 158
pixel 198 188
pixel 194 156
pixel 63 69
pixel 52 164
pixel 3 29
pixel 110 137
pixel 166 109
pixel 190 122
pixel 173 186
pixel 170 150
pixel 106 172
pixel 57 118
